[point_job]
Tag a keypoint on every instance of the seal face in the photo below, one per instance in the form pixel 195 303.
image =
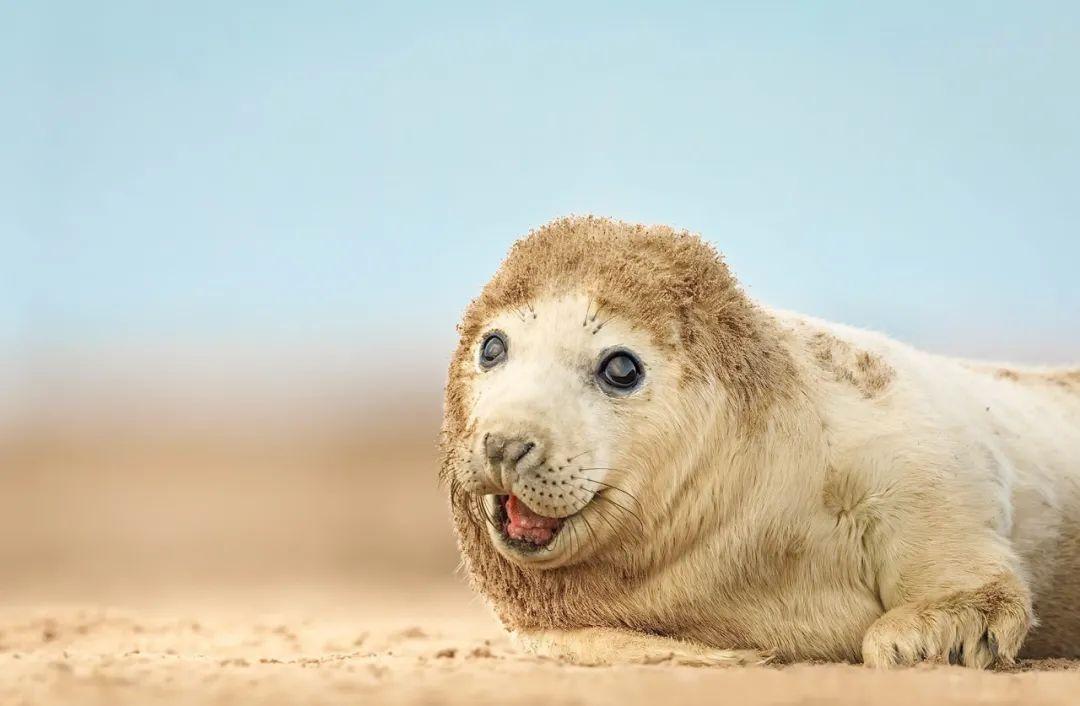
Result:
pixel 580 372
pixel 555 398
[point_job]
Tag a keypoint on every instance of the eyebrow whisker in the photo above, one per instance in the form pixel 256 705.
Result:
pixel 602 323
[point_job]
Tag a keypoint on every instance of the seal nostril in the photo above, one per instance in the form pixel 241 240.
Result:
pixel 515 451
pixel 508 451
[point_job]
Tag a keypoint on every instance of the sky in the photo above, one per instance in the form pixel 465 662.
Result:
pixel 350 173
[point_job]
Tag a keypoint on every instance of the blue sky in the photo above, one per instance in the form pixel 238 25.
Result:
pixel 354 171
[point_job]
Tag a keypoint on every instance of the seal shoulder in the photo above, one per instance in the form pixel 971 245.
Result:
pixel 863 362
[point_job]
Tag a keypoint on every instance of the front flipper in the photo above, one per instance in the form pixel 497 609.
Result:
pixel 974 628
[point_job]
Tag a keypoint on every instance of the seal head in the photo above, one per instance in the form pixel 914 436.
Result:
pixel 582 368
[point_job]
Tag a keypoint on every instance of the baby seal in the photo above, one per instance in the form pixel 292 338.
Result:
pixel 645 465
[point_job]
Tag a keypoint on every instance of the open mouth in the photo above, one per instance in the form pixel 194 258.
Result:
pixel 522 528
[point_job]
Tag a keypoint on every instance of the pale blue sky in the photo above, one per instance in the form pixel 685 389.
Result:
pixel 352 171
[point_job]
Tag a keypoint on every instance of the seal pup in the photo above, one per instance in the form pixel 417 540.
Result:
pixel 644 465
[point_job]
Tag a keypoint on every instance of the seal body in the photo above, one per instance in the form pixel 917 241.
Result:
pixel 771 484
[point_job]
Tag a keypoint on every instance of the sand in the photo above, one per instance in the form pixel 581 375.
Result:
pixel 326 645
pixel 284 570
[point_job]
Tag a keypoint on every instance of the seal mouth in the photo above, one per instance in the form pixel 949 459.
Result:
pixel 522 528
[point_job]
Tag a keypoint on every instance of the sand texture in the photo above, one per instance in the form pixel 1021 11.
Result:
pixel 271 568
pixel 367 651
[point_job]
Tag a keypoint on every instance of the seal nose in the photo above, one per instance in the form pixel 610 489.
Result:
pixel 502 449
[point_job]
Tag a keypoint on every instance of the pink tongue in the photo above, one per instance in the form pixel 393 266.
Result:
pixel 525 524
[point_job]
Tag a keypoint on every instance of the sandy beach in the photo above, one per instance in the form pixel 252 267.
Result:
pixel 339 647
pixel 318 570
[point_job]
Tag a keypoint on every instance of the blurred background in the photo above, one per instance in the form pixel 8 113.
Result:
pixel 236 238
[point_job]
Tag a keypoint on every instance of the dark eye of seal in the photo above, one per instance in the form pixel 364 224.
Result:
pixel 620 371
pixel 493 350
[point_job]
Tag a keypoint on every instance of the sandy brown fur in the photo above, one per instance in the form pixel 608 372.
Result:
pixel 864 371
pixel 1066 379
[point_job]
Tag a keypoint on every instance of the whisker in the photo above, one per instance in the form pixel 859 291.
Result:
pixel 479 502
pixel 586 501
pixel 454 488
pixel 606 485
pixel 469 509
pixel 474 509
pixel 588 526
pixel 599 509
pixel 579 456
pixel 604 516
pixel 625 509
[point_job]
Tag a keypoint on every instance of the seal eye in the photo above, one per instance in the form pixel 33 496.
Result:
pixel 620 371
pixel 493 350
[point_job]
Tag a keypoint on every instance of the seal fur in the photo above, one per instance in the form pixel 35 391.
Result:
pixel 844 499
